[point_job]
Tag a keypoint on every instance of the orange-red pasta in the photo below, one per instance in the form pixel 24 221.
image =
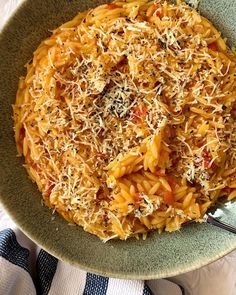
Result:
pixel 126 118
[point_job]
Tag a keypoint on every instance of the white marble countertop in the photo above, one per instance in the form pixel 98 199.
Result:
pixel 218 278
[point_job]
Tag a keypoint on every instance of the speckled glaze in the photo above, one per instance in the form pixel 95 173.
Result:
pixel 160 255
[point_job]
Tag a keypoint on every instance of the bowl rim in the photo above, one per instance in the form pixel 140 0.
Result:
pixel 121 275
pixel 64 258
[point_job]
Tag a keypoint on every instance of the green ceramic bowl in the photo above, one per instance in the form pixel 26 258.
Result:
pixel 160 255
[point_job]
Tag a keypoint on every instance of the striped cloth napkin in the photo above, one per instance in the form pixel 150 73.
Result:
pixel 25 269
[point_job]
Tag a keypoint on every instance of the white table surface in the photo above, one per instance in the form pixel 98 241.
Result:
pixel 218 278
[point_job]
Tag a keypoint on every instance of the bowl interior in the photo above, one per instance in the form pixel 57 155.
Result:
pixel 160 255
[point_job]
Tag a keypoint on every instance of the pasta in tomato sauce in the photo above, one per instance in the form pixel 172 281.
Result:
pixel 126 118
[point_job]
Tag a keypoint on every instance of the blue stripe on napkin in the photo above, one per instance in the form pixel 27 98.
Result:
pixel 12 251
pixel 146 290
pixel 46 266
pixel 95 285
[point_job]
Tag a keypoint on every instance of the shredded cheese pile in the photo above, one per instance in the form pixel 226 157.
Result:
pixel 111 79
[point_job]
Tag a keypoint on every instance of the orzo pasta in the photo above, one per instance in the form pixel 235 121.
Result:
pixel 126 118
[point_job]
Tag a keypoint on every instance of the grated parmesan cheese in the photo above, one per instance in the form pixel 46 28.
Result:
pixel 111 80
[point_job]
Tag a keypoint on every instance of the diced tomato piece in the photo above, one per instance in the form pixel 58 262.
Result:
pixel 168 198
pixel 208 164
pixel 139 112
pixel 112 6
pixel 49 189
pixel 207 161
pixel 213 166
pixel 171 182
pixel 213 46
pixel 22 133
pixel 138 198
pixel 227 190
pixel 158 10
pixel 36 167
pixel 160 172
